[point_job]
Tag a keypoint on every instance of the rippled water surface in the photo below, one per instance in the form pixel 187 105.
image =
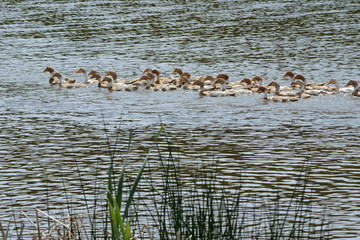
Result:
pixel 43 129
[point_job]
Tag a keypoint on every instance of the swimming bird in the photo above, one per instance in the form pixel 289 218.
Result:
pixel 258 79
pixel 180 72
pixel 337 86
pixel 97 78
pixel 112 74
pixel 246 83
pixel 277 90
pixel 60 80
pixel 222 76
pixel 86 76
pixel 265 91
pixel 92 72
pixel 311 85
pixel 110 81
pixel 202 91
pixel 356 91
pixel 51 70
pixel 302 92
pixel 221 81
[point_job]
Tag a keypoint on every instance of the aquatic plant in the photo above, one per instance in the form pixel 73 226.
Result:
pixel 203 209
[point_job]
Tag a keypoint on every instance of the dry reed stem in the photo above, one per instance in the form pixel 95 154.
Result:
pixel 38 225
pixel 31 221
pixel 142 231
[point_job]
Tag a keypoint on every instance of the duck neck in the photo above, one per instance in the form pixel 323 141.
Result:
pixel 260 83
pixel 265 94
pixel 337 86
pixel 277 89
pixel 60 81
pixel 356 88
pixel 223 87
pixel 157 80
pixel 86 78
pixel 302 88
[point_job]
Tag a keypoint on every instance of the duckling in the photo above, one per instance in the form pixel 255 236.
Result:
pixel 356 91
pixel 312 85
pixel 149 78
pixel 157 76
pixel 110 81
pixel 181 73
pixel 112 74
pixel 337 86
pixel 52 81
pixel 246 83
pixel 60 81
pixel 222 76
pixel 211 94
pixel 91 73
pixel 184 82
pixel 97 78
pixel 264 90
pixel 277 90
pixel 221 81
pixel 86 76
pixel 257 79
pixel 155 72
pixel 302 92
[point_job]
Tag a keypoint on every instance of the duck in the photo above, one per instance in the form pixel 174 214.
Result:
pixel 86 76
pixel 112 74
pixel 181 73
pixel 148 81
pixel 246 83
pixel 110 81
pixel 202 91
pixel 222 76
pixel 337 86
pixel 157 76
pixel 97 78
pixel 209 78
pixel 313 85
pixel 277 90
pixel 221 81
pixel 92 72
pixel 356 91
pixel 51 70
pixel 184 82
pixel 265 91
pixel 302 92
pixel 257 79
pixel 68 85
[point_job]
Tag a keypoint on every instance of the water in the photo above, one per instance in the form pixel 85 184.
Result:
pixel 42 128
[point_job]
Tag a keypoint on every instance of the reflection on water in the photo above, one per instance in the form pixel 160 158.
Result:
pixel 43 127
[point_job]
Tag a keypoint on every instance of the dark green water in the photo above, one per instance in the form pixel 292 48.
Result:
pixel 42 127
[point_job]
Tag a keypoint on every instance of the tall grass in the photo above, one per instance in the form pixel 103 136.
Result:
pixel 180 208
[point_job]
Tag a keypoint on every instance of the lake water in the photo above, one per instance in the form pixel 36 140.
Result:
pixel 43 127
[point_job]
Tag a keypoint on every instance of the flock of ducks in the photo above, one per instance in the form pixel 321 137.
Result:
pixel 218 86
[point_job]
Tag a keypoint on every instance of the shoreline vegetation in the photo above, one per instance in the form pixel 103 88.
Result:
pixel 205 209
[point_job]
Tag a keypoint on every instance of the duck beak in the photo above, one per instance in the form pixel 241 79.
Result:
pixel 329 82
pixel 77 71
pixel 107 74
pixel 44 71
pixel 346 85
